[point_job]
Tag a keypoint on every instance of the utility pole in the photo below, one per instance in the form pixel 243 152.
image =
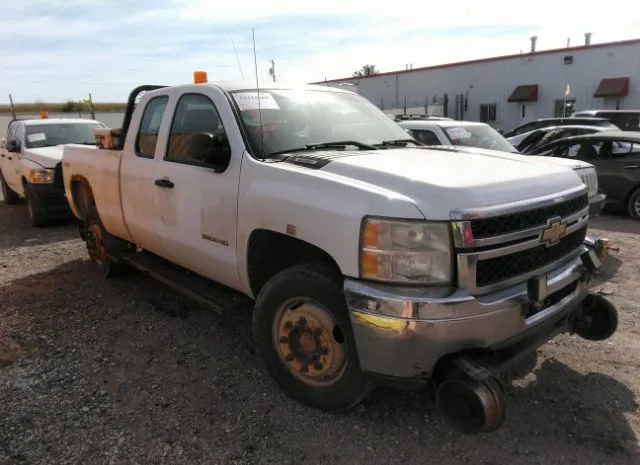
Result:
pixel 13 109
pixel 272 70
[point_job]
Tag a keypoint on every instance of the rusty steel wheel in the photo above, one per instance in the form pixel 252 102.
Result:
pixel 304 336
pixel 95 244
pixel 309 342
pixel 97 240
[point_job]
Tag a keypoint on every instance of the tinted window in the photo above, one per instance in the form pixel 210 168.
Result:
pixel 194 113
pixel 150 127
pixel 425 136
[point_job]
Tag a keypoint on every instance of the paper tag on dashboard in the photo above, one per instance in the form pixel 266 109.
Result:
pixel 458 133
pixel 249 101
pixel 37 137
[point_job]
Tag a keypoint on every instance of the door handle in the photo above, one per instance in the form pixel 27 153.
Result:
pixel 631 167
pixel 164 183
pixel 9 158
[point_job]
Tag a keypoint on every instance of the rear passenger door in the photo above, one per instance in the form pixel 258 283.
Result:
pixel 137 174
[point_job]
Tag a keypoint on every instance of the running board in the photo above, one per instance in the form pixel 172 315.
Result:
pixel 203 290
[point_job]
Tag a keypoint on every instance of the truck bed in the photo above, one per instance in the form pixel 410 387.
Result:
pixel 100 169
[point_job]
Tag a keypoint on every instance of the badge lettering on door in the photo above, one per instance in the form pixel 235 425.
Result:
pixel 216 240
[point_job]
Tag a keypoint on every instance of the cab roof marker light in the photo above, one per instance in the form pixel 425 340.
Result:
pixel 199 77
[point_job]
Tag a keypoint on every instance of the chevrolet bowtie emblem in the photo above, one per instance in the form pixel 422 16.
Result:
pixel 555 231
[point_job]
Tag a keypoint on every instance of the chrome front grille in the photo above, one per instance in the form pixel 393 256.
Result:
pixel 509 244
pixel 590 178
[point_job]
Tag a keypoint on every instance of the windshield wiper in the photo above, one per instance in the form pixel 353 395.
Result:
pixel 327 145
pixel 397 143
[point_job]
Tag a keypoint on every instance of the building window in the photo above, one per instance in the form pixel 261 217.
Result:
pixel 488 112
pixel 568 60
pixel 564 108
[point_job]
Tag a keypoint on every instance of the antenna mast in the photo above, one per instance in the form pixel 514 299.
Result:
pixel 237 58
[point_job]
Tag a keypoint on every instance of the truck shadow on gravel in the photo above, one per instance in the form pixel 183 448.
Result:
pixel 165 370
pixel 16 231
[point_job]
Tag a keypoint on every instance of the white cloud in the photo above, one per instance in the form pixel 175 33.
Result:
pixel 59 57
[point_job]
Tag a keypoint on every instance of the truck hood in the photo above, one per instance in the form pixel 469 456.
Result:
pixel 441 181
pixel 47 157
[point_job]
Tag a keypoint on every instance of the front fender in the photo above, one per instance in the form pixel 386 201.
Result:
pixel 320 208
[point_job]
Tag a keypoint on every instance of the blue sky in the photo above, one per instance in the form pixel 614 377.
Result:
pixel 56 50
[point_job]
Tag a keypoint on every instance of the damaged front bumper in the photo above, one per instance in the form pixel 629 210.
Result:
pixel 404 333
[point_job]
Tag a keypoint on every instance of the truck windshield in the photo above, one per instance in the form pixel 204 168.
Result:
pixel 50 134
pixel 482 136
pixel 290 119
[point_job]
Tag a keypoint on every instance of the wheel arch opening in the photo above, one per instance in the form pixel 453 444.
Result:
pixel 270 252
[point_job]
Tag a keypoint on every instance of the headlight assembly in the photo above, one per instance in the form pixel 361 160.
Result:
pixel 412 252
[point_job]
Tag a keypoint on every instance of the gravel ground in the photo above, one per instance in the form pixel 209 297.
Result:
pixel 127 371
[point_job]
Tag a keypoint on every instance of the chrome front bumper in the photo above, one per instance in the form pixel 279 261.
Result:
pixel 404 332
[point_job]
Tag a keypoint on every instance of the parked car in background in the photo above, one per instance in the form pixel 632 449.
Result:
pixel 626 120
pixel 616 156
pixel 545 122
pixel 414 117
pixel 473 135
pixel 30 163
pixel 529 141
pixel 459 133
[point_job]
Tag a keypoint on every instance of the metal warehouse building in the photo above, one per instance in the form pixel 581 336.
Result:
pixel 509 90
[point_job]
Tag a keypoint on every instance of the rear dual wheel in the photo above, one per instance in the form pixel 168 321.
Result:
pixel 303 334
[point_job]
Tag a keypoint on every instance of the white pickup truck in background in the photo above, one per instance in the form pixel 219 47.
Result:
pixel 469 136
pixel 371 258
pixel 31 167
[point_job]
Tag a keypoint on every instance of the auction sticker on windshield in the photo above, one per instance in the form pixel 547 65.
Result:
pixel 37 137
pixel 250 101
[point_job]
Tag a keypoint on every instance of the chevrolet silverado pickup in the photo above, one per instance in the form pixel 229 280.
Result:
pixel 369 257
pixel 31 167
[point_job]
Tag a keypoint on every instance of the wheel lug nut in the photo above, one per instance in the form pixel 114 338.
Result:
pixel 317 366
pixel 284 339
pixel 288 325
pixel 302 321
pixel 304 368
pixel 290 357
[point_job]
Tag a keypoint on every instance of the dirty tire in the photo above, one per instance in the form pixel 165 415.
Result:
pixel 10 197
pixel 95 240
pixel 633 205
pixel 36 216
pixel 318 283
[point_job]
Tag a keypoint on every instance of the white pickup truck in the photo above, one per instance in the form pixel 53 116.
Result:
pixel 31 167
pixel 370 258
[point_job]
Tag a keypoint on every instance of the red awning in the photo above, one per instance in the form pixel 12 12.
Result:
pixel 528 93
pixel 613 87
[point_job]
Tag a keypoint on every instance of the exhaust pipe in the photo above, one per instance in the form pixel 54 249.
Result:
pixel 598 319
pixel 470 405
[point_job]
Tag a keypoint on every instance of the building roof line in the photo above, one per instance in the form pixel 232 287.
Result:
pixel 488 60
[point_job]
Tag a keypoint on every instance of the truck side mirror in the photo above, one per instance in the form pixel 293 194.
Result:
pixel 210 149
pixel 13 146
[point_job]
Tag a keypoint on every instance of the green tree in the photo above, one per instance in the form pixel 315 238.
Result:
pixel 366 70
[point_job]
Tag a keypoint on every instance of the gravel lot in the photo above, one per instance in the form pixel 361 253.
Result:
pixel 127 371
